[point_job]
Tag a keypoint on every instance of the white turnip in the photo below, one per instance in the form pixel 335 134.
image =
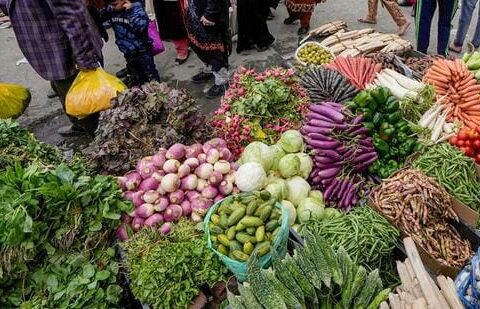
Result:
pixel 183 170
pixel 171 166
pixel 170 183
pixel 144 211
pixel 213 155
pixel 222 166
pixel 189 182
pixel 204 170
pixel 151 196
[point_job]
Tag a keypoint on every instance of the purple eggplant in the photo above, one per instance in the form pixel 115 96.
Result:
pixel 364 165
pixel 325 160
pixel 307 129
pixel 321 137
pixel 330 172
pixel 359 131
pixel 326 166
pixel 313 115
pixel 328 111
pixel 364 157
pixel 330 188
pixel 322 144
pixel 330 153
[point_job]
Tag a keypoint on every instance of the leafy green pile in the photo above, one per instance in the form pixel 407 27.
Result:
pixel 56 230
pixel 367 236
pixel 143 119
pixel 315 276
pixel 167 271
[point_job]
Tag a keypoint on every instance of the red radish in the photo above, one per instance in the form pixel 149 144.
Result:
pixel 222 166
pixel 193 151
pixel 192 162
pixel 189 182
pixel 193 195
pixel 201 184
pixel 202 158
pixel 151 196
pixel 186 208
pixel 172 213
pixel 153 220
pixel 218 198
pixel 161 204
pixel 183 170
pixel 171 166
pixel 225 187
pixel 204 171
pixel 166 228
pixel 209 192
pixel 146 168
pixel 170 183
pixel 225 154
pixel 133 180
pixel 216 178
pixel 137 224
pixel 144 210
pixel 122 232
pixel 159 160
pixel 213 155
pixel 149 184
pixel 176 151
pixel 177 197
pixel 137 198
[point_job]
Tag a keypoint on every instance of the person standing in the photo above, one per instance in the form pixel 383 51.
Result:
pixel 252 25
pixel 393 9
pixel 300 10
pixel 58 38
pixel 207 28
pixel 468 6
pixel 170 16
pixel 424 14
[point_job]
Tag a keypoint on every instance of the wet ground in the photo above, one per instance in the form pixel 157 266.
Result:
pixel 44 116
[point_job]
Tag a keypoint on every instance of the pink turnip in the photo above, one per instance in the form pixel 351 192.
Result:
pixel 137 223
pixel 213 155
pixel 159 160
pixel 153 220
pixel 204 171
pixel 149 184
pixel 137 198
pixel 170 183
pixel 189 182
pixel 183 170
pixel 133 180
pixel 171 166
pixel 193 151
pixel 172 213
pixel 166 228
pixel 177 197
pixel 192 163
pixel 176 151
pixel 186 208
pixel 146 168
pixel 225 187
pixel 209 192
pixel 225 154
pixel 144 210
pixel 193 195
pixel 161 204
pixel 201 184
pixel 151 196
pixel 122 232
pixel 215 178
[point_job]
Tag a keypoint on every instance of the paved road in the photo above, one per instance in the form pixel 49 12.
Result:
pixel 44 115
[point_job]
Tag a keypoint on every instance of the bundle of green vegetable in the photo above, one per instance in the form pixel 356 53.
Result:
pixel 282 170
pixel 392 136
pixel 168 271
pixel 472 60
pixel 326 85
pixel 453 170
pixel 366 235
pixel 55 230
pixel 142 120
pixel 315 276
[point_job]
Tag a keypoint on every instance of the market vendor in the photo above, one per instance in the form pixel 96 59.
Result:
pixel 58 38
pixel 423 20
pixel 300 10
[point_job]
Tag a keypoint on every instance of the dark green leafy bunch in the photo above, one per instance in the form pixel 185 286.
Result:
pixel 143 119
pixel 315 276
pixel 49 216
pixel 167 271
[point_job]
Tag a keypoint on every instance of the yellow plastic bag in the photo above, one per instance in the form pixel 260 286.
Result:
pixel 14 100
pixel 91 92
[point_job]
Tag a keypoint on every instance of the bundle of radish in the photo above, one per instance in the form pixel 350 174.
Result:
pixel 435 119
pixel 453 80
pixel 360 71
pixel 183 181
pixel 325 85
pixel 342 149
pixel 398 84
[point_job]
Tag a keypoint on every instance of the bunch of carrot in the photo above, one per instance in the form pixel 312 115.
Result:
pixel 359 71
pixel 458 87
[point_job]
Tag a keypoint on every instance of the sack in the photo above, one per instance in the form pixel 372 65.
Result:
pixel 239 269
pixel 14 99
pixel 157 44
pixel 91 92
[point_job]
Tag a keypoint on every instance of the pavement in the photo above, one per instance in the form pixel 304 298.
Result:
pixel 44 115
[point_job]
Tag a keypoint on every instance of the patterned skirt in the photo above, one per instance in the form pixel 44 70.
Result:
pixel 300 6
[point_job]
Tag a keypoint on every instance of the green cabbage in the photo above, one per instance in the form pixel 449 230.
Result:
pixel 309 209
pixel 260 153
pixel 298 190
pixel 317 195
pixel 306 164
pixel 291 141
pixel 289 166
pixel 292 212
pixel 278 153
pixel 250 177
pixel 278 188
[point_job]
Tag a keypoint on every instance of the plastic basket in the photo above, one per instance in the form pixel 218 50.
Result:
pixel 239 269
pixel 314 43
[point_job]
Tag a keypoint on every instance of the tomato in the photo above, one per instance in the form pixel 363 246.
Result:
pixel 468 151
pixel 460 143
pixel 476 145
pixel 463 134
pixel 453 140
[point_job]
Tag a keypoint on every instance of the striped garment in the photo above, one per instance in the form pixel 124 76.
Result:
pixel 301 6
pixel 56 36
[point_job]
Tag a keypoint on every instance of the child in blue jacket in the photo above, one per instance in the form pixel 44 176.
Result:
pixel 130 25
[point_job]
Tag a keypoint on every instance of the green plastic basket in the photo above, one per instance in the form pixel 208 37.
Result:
pixel 239 269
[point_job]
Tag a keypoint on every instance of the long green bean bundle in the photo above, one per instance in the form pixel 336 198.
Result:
pixel 453 170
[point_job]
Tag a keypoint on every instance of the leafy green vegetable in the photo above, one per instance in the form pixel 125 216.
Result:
pixel 167 271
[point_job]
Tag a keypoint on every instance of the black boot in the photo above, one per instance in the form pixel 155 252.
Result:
pixel 216 91
pixel 202 77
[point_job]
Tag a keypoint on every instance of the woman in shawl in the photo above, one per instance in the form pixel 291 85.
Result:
pixel 300 10
pixel 252 25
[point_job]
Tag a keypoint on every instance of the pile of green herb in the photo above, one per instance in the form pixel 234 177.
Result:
pixel 366 235
pixel 167 271
pixel 56 230
pixel 143 119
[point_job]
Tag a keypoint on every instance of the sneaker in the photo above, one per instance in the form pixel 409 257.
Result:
pixel 216 91
pixel 202 77
pixel 71 130
pixel 122 73
pixel 303 30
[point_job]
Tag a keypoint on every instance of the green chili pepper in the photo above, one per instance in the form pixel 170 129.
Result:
pixel 380 95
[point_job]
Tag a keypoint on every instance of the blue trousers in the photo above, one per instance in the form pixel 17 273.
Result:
pixel 468 6
pixel 142 67
pixel 425 11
